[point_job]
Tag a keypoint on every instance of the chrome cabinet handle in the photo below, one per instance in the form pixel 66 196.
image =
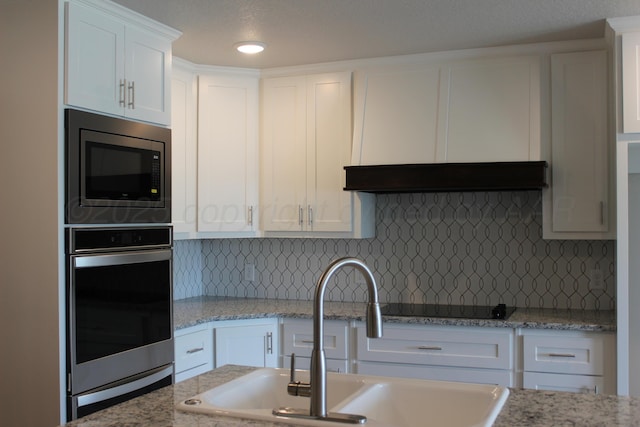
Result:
pixel 300 215
pixel 250 216
pixel 309 215
pixel 195 350
pixel 269 343
pixel 601 213
pixel 429 347
pixel 567 355
pixel 132 95
pixel 123 83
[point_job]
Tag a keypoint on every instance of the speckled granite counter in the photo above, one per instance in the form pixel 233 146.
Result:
pixel 192 311
pixel 528 408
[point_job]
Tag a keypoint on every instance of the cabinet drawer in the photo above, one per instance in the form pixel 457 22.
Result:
pixel 298 338
pixel 304 363
pixel 437 373
pixel 444 346
pixel 193 349
pixel 560 382
pixel 566 354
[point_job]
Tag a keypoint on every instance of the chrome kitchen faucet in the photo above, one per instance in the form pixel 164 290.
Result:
pixel 316 389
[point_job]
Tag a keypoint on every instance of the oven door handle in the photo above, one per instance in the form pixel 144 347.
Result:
pixel 106 394
pixel 120 258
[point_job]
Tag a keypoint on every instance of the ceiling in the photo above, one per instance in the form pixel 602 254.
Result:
pixel 301 32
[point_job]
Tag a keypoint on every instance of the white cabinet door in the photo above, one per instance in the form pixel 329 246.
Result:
pixel 227 154
pixel 283 173
pixel 251 344
pixel 94 60
pixel 630 82
pixel 328 152
pixel 306 142
pixel 183 151
pixel 148 74
pixel 492 110
pixel 580 206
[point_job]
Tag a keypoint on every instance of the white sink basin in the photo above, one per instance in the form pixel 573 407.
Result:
pixel 384 401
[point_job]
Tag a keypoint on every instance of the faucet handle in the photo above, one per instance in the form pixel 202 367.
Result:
pixel 292 373
pixel 296 388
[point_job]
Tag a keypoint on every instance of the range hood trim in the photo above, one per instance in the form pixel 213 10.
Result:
pixel 447 177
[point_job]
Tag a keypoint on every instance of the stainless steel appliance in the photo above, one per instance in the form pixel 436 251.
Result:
pixel 119 315
pixel 117 171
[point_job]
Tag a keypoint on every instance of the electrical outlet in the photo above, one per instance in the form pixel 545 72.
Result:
pixel 596 281
pixel 249 272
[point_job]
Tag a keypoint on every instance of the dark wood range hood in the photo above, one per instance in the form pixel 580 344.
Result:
pixel 436 177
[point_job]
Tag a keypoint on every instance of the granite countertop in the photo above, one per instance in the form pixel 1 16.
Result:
pixel 193 311
pixel 528 408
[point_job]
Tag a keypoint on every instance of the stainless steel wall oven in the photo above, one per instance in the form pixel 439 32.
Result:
pixel 119 315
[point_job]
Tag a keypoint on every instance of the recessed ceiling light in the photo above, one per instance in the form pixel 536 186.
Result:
pixel 250 47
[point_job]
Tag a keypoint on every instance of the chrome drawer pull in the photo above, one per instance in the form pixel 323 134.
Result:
pixel 429 347
pixel 195 350
pixel 568 355
pixel 307 341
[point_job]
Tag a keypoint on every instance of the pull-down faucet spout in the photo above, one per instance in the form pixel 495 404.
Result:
pixel 318 360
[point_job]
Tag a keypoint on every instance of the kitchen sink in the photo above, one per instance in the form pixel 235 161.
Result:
pixel 384 401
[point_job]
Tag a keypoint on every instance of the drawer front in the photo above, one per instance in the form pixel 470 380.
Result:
pixel 304 363
pixel 193 349
pixel 564 354
pixel 298 338
pixel 560 382
pixel 443 346
pixel 438 373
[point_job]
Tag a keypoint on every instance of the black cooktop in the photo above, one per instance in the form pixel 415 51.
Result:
pixel 500 311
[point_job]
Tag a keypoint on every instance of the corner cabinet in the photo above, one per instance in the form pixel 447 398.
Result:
pixel 306 142
pixel 117 62
pixel 228 154
pixel 578 203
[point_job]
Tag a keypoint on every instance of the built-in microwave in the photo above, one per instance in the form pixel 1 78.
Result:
pixel 117 171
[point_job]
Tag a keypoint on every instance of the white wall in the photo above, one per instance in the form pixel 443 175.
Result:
pixel 29 292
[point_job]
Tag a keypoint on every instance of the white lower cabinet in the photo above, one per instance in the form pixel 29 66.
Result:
pixel 568 361
pixel 251 342
pixel 481 355
pixel 193 351
pixel 297 337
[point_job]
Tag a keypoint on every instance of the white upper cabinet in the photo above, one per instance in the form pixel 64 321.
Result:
pixel 184 150
pixel 472 110
pixel 306 142
pixel 228 154
pixel 630 84
pixel 579 196
pixel 117 62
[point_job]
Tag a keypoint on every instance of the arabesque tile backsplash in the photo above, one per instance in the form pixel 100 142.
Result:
pixel 449 248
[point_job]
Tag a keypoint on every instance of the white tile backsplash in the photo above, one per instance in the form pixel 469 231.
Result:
pixel 458 248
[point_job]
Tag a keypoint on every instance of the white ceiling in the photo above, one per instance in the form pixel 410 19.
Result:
pixel 311 31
